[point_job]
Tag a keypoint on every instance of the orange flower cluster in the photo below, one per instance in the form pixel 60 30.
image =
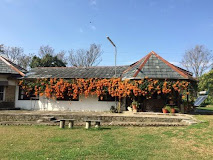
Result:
pixel 58 88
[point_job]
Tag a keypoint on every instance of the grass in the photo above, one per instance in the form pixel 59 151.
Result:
pixel 207 108
pixel 48 142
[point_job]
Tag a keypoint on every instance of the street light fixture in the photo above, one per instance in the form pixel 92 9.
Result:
pixel 115 52
pixel 115 65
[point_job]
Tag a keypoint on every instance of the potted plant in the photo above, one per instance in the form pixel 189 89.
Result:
pixel 166 109
pixel 172 110
pixel 134 105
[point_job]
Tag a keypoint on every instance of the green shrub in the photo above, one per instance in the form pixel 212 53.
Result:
pixel 168 108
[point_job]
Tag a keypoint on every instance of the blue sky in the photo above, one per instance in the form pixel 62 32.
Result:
pixel 168 27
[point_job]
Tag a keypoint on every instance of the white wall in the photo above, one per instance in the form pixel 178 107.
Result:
pixel 84 104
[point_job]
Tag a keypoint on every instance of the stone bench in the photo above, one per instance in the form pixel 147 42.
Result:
pixel 88 123
pixel 62 123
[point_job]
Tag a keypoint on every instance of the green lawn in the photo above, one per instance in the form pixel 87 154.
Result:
pixel 208 108
pixel 42 142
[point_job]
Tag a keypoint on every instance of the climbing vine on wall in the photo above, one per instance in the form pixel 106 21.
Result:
pixel 59 88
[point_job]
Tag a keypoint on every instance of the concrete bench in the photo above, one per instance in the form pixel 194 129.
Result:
pixel 88 123
pixel 62 123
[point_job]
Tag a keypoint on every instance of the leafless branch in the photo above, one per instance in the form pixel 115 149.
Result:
pixel 46 50
pixel 197 60
pixel 17 56
pixel 86 58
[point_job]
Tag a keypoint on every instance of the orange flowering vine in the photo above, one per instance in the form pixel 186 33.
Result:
pixel 59 88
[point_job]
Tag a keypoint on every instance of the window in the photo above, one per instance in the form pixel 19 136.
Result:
pixel 23 96
pixel 106 97
pixel 68 98
pixel 1 93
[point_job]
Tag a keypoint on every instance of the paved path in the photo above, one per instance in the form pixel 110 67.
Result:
pixel 126 114
pixel 19 117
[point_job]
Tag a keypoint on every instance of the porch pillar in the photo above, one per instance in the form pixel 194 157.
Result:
pixel 123 104
pixel 178 101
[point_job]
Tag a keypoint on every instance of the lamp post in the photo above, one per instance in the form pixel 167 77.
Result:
pixel 115 66
pixel 115 52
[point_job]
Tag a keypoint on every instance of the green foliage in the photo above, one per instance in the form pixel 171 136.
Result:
pixel 47 61
pixel 205 83
pixel 177 109
pixel 135 103
pixel 36 61
pixel 168 108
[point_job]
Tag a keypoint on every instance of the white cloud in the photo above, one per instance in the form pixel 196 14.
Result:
pixel 92 27
pixel 93 2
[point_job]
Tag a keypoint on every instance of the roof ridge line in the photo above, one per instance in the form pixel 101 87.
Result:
pixel 12 67
pixel 144 62
pixel 170 65
pixel 86 67
pixel 134 64
pixel 12 63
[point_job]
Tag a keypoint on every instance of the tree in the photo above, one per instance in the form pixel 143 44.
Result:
pixel 205 83
pixel 13 53
pixel 62 56
pixel 47 61
pixel 47 57
pixel 86 58
pixel 44 50
pixel 197 60
pixel 1 48
pixel 16 55
pixel 25 60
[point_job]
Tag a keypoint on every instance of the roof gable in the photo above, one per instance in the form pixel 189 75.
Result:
pixel 154 66
pixel 7 67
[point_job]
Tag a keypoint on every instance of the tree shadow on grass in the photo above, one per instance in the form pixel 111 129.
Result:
pixel 81 127
pixel 99 129
pixel 203 111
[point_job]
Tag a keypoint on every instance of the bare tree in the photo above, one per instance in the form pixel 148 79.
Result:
pixel 17 56
pixel 13 53
pixel 1 48
pixel 86 58
pixel 197 60
pixel 25 60
pixel 46 50
pixel 62 56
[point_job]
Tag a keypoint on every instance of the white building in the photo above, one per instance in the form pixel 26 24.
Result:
pixel 91 103
pixel 152 66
